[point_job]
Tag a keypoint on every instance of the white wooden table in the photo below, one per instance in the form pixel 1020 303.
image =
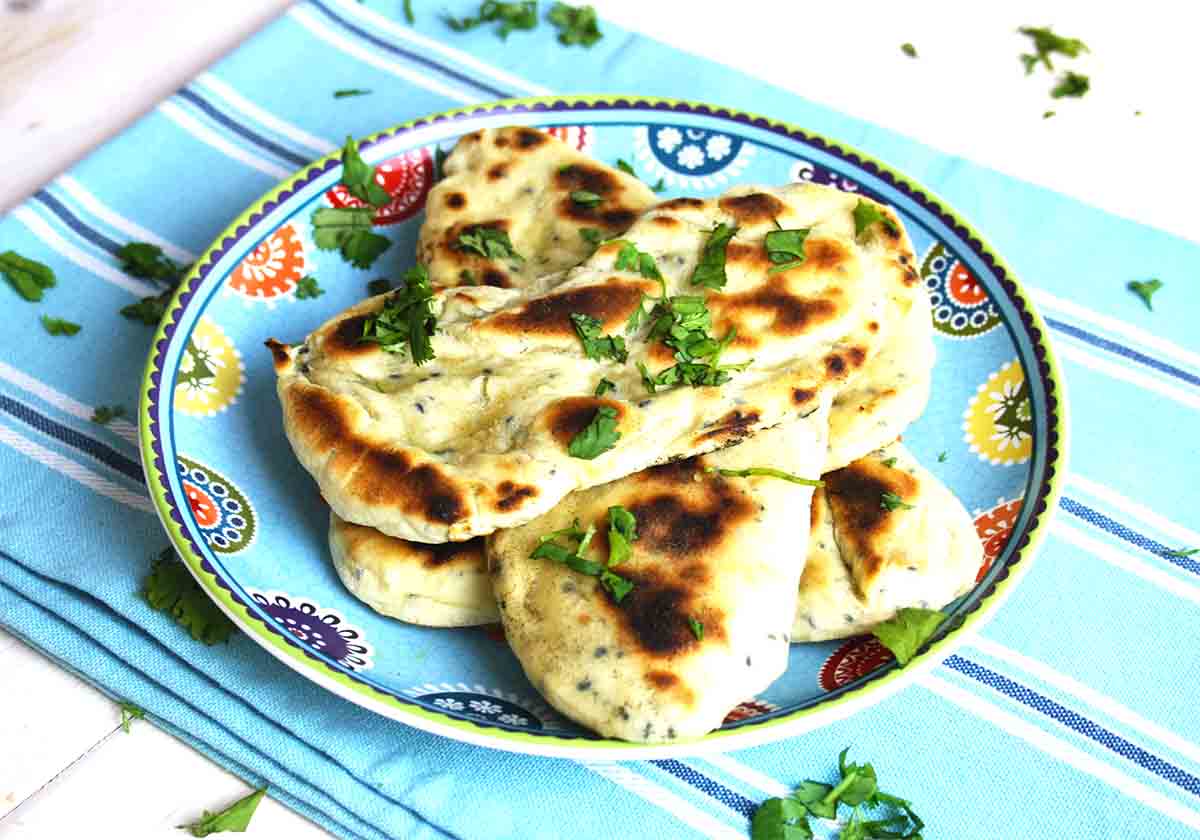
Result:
pixel 68 79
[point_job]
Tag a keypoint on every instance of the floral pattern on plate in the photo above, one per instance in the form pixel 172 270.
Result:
pixel 210 372
pixel 406 178
pixel 273 269
pixel 961 306
pixel 324 629
pixel 690 158
pixel 222 512
pixel 998 422
pixel 485 704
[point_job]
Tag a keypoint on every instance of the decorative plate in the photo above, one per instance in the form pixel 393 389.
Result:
pixel 251 524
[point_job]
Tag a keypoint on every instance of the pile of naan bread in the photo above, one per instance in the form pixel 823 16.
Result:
pixel 444 477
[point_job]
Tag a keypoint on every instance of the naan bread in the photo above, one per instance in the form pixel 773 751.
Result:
pixel 476 440
pixel 520 180
pixel 438 585
pixel 721 551
pixel 865 562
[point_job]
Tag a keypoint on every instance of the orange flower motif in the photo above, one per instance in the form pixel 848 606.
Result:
pixel 994 528
pixel 273 269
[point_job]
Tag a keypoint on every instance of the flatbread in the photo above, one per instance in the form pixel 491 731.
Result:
pixel 720 551
pixel 476 440
pixel 520 180
pixel 435 585
pixel 865 563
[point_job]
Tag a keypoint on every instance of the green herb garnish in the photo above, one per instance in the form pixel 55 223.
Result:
pixel 576 25
pixel 888 462
pixel 1145 289
pixel 909 50
pixel 234 818
pixel 148 310
pixel 941 457
pixel 770 472
pixel 129 713
pixel 406 320
pixel 697 628
pixel 345 92
pixel 348 230
pixel 904 634
pixel 586 198
pixel 1181 552
pixel 170 588
pixel 105 414
pixel 890 501
pixel 491 243
pixel 59 326
pixel 593 236
pixel 629 258
pixel 625 167
pixel 1046 43
pixel 143 259
pixel 622 530
pixel 549 549
pixel 1072 85
pixel 710 270
pixel 29 278
pixel 604 386
pixel 307 287
pixel 597 345
pixel 866 214
pixel 683 323
pixel 785 248
pixel 359 178
pixel 378 286
pixel 468 277
pixel 599 436
pixel 510 16
pixel 409 17
pixel 1047 114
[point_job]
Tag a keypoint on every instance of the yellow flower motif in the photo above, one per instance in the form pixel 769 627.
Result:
pixel 210 373
pixel 998 422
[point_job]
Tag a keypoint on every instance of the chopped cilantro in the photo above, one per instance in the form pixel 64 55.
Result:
pixel 629 258
pixel 1181 552
pixel 1145 289
pixel 624 166
pixel 548 548
pixel 697 628
pixel 597 345
pixel 785 248
pixel 909 50
pixel 359 178
pixel 105 414
pixel 683 323
pixel 599 436
pixel 604 386
pixel 59 326
pixel 622 530
pixel 378 286
pixel 867 213
pixel 910 628
pixel 1046 43
pixel 348 230
pixel 468 277
pixel 659 187
pixel 148 310
pixel 1071 84
pixel 710 270
pixel 409 17
pixel 170 588
pixel 29 278
pixel 346 92
pixel 143 259
pixel 586 198
pixel 510 16
pixel 890 501
pixel 406 320
pixel 307 287
pixel 490 243
pixel 593 236
pixel 129 713
pixel 888 462
pixel 1047 114
pixel 941 457
pixel 576 25
pixel 770 472
pixel 234 818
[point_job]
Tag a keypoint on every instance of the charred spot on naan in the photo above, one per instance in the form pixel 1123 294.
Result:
pixel 731 428
pixel 611 211
pixel 510 496
pixel 855 497
pixel 550 315
pixel 752 208
pixel 683 203
pixel 844 361
pixel 786 313
pixel 280 354
pixel 568 417
pixel 455 200
pixel 653 618
pixel 680 522
pixel 344 340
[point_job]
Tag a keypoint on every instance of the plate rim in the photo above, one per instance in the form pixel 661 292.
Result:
pixel 892 679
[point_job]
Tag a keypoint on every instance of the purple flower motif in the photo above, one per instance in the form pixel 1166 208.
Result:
pixel 323 631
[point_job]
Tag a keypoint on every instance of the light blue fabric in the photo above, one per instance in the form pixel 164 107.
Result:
pixel 1089 669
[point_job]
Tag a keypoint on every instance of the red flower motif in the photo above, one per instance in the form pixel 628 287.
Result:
pixel 749 709
pixel 407 179
pixel 202 505
pixel 965 287
pixel 994 528
pixel 855 658
pixel 578 137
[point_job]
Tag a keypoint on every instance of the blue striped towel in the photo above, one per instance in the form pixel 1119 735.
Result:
pixel 1073 714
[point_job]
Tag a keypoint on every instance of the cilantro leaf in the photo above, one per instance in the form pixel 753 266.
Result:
pixel 59 326
pixel 785 248
pixel 586 198
pixel 683 323
pixel 105 414
pixel 890 501
pixel 941 457
pixel 409 17
pixel 1181 552
pixel 490 243
pixel 129 713
pixel 770 472
pixel 548 548
pixel 697 628
pixel 519 15
pixel 624 166
pixel 591 235
pixel 659 187
pixel 149 310
pixel 345 92
pixel 28 277
pixel 597 345
pixel 603 387
pixel 710 270
pixel 359 178
pixel 904 634
pixel 307 287
pixel 622 530
pixel 888 462
pixel 406 320
pixel 143 259
pixel 599 436
pixel 576 25
pixel 909 50
pixel 813 795
pixel 1047 114
pixel 1046 43
pixel 235 818
pixel 170 588
pixel 379 286
pixel 1145 289
pixel 866 214
pixel 348 230
pixel 780 819
pixel 629 258
pixel 1071 84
